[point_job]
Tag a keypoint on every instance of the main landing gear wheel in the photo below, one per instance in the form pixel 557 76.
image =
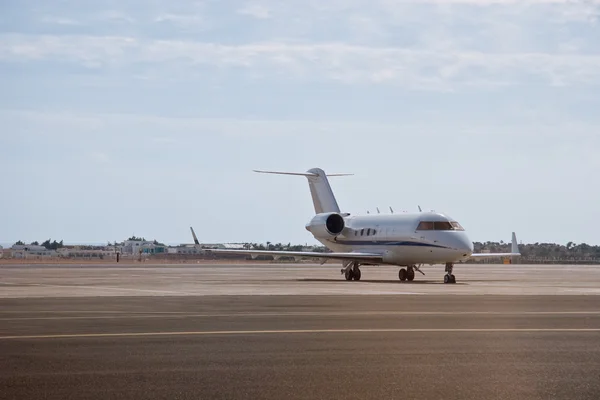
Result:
pixel 403 274
pixel 349 274
pixel 406 274
pixel 353 273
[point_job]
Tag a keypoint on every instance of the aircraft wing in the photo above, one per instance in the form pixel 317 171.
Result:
pixel 490 255
pixel 309 254
pixel 514 251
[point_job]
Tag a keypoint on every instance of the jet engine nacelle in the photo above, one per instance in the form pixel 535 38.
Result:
pixel 326 225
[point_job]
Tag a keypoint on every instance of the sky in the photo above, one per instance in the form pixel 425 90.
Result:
pixel 146 117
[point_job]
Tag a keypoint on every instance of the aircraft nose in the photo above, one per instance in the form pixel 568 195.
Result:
pixel 465 244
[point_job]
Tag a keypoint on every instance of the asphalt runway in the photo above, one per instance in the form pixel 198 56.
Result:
pixel 288 279
pixel 97 333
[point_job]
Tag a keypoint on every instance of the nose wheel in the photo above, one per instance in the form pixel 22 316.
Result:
pixel 449 277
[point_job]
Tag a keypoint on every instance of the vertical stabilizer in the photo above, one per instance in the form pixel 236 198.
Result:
pixel 320 190
pixel 194 235
pixel 514 247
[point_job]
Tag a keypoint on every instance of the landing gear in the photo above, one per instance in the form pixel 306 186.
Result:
pixel 356 271
pixel 411 273
pixel 407 274
pixel 403 274
pixel 349 274
pixel 449 277
pixel 352 272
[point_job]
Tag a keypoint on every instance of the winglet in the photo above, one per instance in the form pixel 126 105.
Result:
pixel 514 248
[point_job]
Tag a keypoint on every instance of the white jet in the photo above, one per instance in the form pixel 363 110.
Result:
pixel 408 240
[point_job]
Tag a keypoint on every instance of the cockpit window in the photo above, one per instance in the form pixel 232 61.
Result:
pixel 425 226
pixel 439 226
pixel 457 226
pixel 442 226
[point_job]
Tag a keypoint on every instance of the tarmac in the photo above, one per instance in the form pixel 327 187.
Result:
pixel 295 331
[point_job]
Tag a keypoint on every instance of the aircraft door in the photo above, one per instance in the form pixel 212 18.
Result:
pixel 389 233
pixel 378 233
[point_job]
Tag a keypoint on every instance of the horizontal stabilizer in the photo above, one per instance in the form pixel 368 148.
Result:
pixel 320 190
pixel 297 173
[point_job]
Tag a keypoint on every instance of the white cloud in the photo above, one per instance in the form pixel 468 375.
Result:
pixel 255 10
pixel 182 19
pixel 163 140
pixel 166 129
pixel 427 44
pixel 486 2
pixel 60 21
pixel 332 61
pixel 99 157
pixel 116 16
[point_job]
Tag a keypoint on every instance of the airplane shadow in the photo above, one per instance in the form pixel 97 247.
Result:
pixel 398 282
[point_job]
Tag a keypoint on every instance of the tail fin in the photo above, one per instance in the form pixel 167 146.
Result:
pixel 320 190
pixel 514 247
pixel 194 235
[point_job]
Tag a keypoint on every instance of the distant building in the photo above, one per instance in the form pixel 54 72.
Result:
pixel 199 248
pixel 28 247
pixel 76 252
pixel 185 249
pixel 142 246
pixel 26 250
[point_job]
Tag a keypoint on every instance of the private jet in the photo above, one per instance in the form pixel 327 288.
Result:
pixel 407 240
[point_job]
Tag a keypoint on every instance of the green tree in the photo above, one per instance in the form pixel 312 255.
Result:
pixel 139 239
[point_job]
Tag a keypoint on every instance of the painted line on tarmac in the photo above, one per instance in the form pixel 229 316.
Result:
pixel 179 314
pixel 299 331
pixel 75 287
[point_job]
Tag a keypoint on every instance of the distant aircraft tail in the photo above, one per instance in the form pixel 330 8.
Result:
pixel 514 247
pixel 194 235
pixel 320 190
